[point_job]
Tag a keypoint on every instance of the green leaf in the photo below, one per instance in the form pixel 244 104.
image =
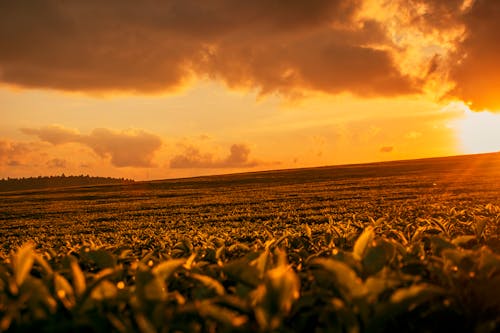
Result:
pixel 439 244
pixel 261 262
pixel 219 254
pixel 375 259
pixel 488 263
pixel 308 231
pixel 100 276
pixel 376 285
pixel 463 240
pixel 190 261
pixel 275 296
pixel 345 279
pixel 102 258
pixel 40 302
pixel 79 283
pixel 479 226
pixel 439 223
pixel 459 259
pixel 64 291
pixel 240 271
pixel 23 262
pixel 401 302
pixel 165 269
pixel 104 290
pixel 210 283
pixel 409 298
pixel 44 264
pixel 145 326
pixel 283 287
pixel 363 242
pixel 221 314
pixel 149 286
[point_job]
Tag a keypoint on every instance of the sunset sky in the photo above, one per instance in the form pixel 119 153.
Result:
pixel 176 88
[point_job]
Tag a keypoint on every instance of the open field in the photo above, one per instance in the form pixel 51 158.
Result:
pixel 278 250
pixel 243 206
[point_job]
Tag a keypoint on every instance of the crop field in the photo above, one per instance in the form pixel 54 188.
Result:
pixel 407 246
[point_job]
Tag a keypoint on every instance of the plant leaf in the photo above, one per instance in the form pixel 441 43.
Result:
pixel 78 277
pixel 64 291
pixel 104 290
pixel 374 259
pixel 409 298
pixel 165 269
pixel 103 259
pixel 463 240
pixel 210 283
pixel 23 262
pixel 363 242
pixel 479 225
pixel 343 276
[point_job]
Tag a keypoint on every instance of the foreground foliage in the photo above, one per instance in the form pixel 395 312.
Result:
pixel 343 278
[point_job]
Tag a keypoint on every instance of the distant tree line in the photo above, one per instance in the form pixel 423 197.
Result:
pixel 42 182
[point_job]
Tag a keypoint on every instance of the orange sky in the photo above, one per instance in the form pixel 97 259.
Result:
pixel 162 89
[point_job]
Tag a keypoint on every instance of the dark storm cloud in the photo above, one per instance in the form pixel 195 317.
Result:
pixel 192 158
pixel 148 46
pixel 132 149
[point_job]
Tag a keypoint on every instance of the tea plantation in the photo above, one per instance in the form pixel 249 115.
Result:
pixel 408 246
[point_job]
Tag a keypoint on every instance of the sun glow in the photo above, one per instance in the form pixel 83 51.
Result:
pixel 478 132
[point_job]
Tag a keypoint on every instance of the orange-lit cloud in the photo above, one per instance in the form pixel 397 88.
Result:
pixel 57 163
pixel 54 134
pixel 13 153
pixel 459 41
pixel 386 149
pixel 270 45
pixel 238 157
pixel 477 72
pixel 125 148
pixel 365 47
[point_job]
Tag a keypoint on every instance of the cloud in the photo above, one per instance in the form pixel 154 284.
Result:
pixel 14 163
pixel 386 149
pixel 57 163
pixel 53 134
pixel 12 153
pixel 465 39
pixel 477 73
pixel 408 46
pixel 239 157
pixel 125 149
pixel 269 45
